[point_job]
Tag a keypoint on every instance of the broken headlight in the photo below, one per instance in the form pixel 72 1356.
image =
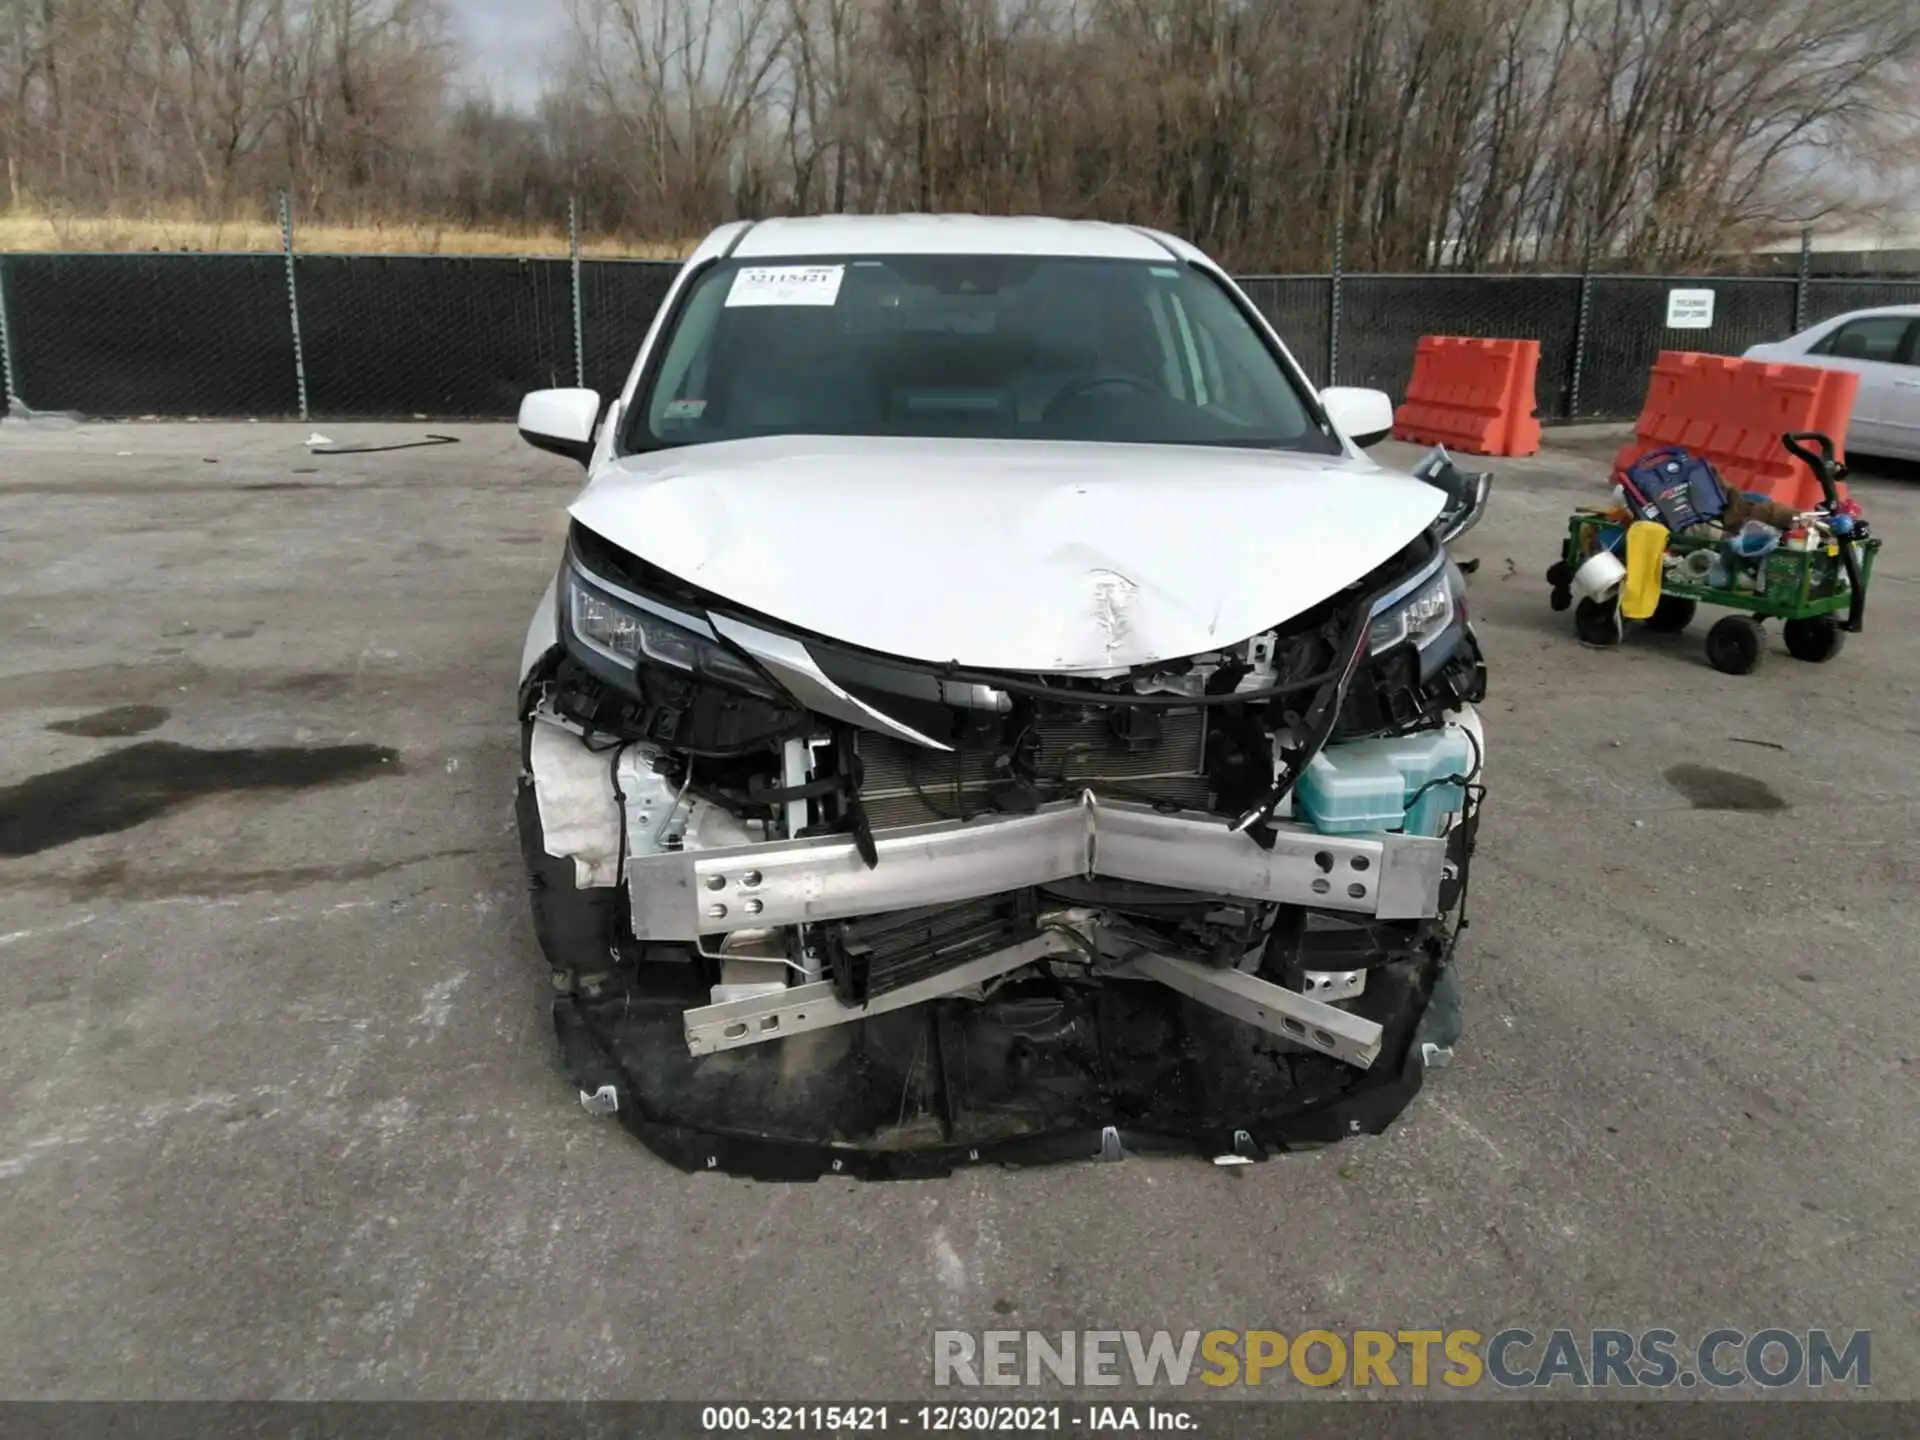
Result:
pixel 1422 612
pixel 628 635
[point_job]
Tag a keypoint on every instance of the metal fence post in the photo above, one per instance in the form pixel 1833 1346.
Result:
pixel 579 329
pixel 1800 282
pixel 1580 331
pixel 1333 312
pixel 293 301
pixel 8 393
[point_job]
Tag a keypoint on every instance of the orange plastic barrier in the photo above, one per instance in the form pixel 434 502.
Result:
pixel 1472 395
pixel 1735 411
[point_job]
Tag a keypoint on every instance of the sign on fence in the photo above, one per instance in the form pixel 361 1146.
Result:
pixel 1689 309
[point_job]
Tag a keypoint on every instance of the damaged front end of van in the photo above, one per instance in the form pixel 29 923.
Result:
pixel 837 873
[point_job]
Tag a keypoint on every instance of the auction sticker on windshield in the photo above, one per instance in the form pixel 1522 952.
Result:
pixel 786 285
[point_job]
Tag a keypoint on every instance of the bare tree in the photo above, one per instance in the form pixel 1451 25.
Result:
pixel 1426 132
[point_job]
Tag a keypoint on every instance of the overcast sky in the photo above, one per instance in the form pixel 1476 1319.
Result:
pixel 507 41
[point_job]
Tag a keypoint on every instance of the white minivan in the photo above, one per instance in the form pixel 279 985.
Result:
pixel 992 710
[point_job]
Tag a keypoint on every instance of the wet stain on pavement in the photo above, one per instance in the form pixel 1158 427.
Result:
pixel 136 784
pixel 117 723
pixel 97 686
pixel 316 685
pixel 117 880
pixel 164 681
pixel 1709 789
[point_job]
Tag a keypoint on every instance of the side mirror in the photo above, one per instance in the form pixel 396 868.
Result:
pixel 560 422
pixel 1363 416
pixel 1467 492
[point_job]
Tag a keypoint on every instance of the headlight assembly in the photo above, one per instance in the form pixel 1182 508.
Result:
pixel 1424 613
pixel 629 636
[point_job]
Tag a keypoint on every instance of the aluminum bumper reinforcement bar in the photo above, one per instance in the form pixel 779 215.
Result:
pixel 1307 1022
pixel 1266 1006
pixel 682 895
pixel 753 1018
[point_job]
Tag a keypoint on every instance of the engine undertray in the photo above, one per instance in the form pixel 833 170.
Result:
pixel 1044 1070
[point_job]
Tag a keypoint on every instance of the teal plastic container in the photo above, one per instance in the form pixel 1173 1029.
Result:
pixel 1368 785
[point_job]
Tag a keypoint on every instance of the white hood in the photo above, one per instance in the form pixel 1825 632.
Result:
pixel 1010 555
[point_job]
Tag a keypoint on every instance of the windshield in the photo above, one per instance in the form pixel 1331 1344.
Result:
pixel 953 346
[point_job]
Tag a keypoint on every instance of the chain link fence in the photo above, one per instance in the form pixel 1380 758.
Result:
pixel 388 337
pixel 327 336
pixel 1300 307
pixel 1384 316
pixel 1627 330
pixel 135 335
pixel 618 300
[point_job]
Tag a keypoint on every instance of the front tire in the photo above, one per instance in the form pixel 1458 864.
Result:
pixel 1736 645
pixel 1672 615
pixel 1597 622
pixel 1816 640
pixel 1560 577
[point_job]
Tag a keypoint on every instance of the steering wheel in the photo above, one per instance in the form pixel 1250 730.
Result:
pixel 1110 380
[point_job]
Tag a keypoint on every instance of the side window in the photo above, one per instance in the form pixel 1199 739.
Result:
pixel 1872 337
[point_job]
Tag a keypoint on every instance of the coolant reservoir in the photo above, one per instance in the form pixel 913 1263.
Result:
pixel 1370 785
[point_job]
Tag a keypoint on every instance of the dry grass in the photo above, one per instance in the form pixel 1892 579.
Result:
pixel 32 230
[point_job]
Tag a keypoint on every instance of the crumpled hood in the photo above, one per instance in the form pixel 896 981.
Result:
pixel 1010 555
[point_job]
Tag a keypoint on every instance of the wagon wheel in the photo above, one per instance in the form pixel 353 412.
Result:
pixel 1672 615
pixel 1736 645
pixel 1816 639
pixel 1597 622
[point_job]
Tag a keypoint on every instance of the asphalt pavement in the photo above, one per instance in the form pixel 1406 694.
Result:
pixel 282 1115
